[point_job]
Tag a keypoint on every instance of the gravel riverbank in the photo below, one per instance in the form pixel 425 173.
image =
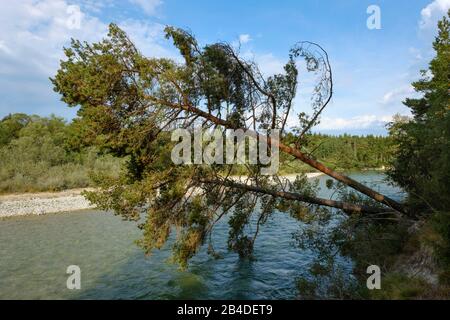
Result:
pixel 54 202
pixel 42 203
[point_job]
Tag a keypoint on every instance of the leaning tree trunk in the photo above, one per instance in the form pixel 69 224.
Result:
pixel 347 207
pixel 297 154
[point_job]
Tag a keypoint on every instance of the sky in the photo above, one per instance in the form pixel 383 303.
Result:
pixel 372 67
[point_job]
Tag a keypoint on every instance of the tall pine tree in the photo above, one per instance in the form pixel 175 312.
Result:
pixel 422 165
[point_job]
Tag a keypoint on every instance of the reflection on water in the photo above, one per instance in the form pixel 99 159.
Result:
pixel 35 252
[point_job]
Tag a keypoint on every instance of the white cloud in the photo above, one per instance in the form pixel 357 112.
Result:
pixel 269 64
pixel 362 123
pixel 356 122
pixel 416 53
pixel 397 95
pixel 4 48
pixel 149 6
pixel 148 38
pixel 244 38
pixel 432 13
pixel 33 34
pixel 32 38
pixel 96 6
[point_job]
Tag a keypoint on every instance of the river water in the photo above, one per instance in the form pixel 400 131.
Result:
pixel 35 252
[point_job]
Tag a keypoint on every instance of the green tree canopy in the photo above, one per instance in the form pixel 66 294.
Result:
pixel 129 103
pixel 11 125
pixel 422 164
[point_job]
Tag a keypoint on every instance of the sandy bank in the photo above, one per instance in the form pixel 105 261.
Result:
pixel 290 177
pixel 64 201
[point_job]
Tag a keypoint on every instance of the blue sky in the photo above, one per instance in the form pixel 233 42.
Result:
pixel 372 69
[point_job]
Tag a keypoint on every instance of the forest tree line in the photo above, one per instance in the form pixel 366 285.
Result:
pixel 45 154
pixel 50 154
pixel 346 151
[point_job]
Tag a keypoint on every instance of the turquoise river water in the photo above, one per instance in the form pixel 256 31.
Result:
pixel 35 252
